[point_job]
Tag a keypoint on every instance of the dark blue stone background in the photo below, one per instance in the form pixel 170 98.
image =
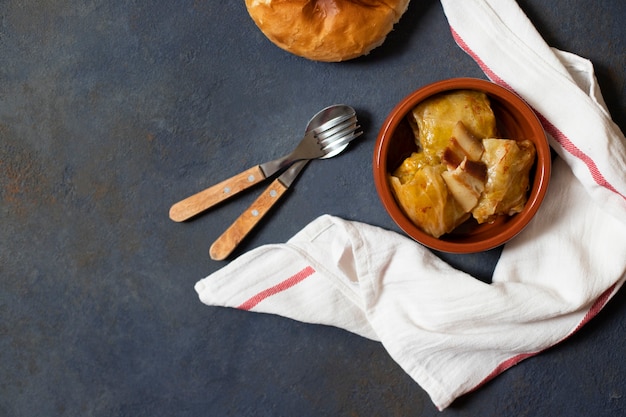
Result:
pixel 110 111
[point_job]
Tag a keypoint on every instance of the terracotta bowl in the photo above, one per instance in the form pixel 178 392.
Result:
pixel 515 120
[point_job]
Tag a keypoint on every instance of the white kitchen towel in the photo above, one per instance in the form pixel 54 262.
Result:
pixel 450 332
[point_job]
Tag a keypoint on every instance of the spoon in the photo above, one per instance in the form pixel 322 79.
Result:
pixel 315 144
pixel 335 127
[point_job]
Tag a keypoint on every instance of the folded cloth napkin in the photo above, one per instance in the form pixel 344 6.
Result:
pixel 449 331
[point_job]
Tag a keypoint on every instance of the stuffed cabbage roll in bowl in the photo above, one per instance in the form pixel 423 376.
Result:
pixel 462 165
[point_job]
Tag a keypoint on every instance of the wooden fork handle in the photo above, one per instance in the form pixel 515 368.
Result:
pixel 230 239
pixel 199 202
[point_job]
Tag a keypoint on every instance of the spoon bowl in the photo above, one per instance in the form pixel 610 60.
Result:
pixel 333 123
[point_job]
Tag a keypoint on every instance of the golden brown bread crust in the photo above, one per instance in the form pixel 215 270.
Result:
pixel 326 30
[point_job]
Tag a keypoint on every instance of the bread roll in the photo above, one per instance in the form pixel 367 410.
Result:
pixel 326 30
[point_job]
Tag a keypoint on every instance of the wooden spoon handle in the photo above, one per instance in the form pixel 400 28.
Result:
pixel 230 239
pixel 206 199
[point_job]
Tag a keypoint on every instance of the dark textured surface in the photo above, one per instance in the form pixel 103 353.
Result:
pixel 110 111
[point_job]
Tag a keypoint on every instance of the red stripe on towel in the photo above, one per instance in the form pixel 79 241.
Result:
pixel 550 128
pixel 480 62
pixel 573 149
pixel 597 306
pixel 282 286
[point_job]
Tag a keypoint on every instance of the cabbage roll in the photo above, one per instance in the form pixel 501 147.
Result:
pixel 433 120
pixel 508 166
pixel 425 199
